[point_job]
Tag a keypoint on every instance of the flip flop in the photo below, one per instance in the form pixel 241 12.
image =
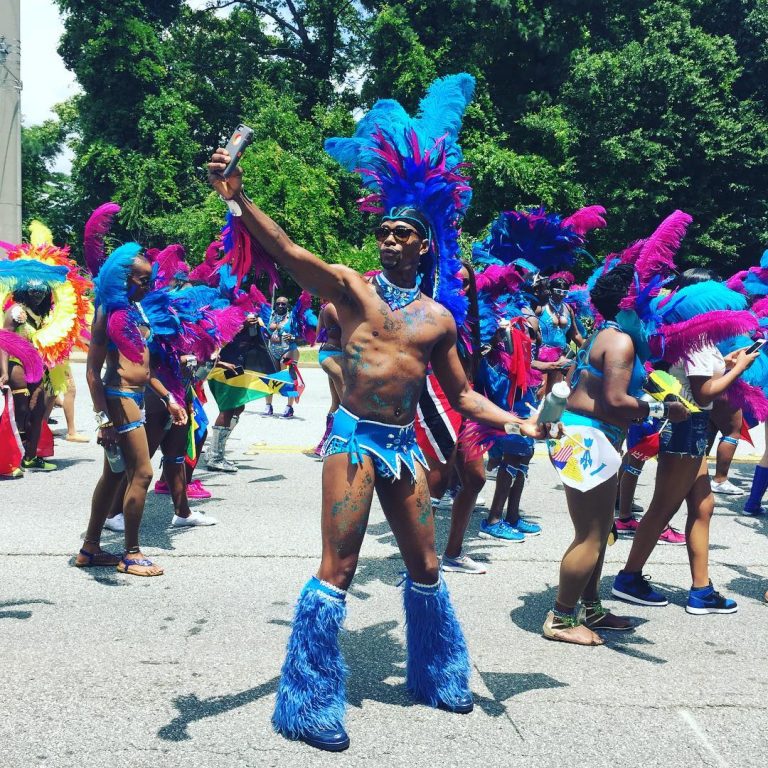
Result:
pixel 94 562
pixel 142 562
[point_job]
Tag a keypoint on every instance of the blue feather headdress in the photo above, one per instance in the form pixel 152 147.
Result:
pixel 111 284
pixel 543 240
pixel 19 274
pixel 416 163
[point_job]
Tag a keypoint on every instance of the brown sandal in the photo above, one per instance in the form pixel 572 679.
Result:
pixel 100 559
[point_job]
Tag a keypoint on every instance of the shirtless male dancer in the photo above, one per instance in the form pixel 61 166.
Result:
pixel 390 333
pixel 118 401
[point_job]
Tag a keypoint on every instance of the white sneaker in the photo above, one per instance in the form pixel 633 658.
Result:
pixel 195 518
pixel 727 488
pixel 445 503
pixel 462 564
pixel 116 523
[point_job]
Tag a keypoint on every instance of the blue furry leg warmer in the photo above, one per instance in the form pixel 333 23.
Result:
pixel 759 487
pixel 311 695
pixel 438 661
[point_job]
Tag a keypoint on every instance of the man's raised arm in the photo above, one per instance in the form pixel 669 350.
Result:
pixel 310 272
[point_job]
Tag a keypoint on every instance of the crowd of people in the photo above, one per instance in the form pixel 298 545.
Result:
pixel 439 370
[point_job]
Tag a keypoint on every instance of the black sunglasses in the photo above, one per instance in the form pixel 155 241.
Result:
pixel 401 234
pixel 144 282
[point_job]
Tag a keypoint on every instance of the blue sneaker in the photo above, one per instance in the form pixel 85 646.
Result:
pixel 501 531
pixel 708 600
pixel 525 527
pixel 635 588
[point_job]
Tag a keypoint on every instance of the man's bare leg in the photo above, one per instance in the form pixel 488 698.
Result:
pixel 311 695
pixel 438 662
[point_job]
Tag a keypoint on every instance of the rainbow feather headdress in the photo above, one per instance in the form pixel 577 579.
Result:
pixel 416 163
pixel 39 262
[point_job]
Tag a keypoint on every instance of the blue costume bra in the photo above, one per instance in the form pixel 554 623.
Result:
pixel 636 381
pixel 554 335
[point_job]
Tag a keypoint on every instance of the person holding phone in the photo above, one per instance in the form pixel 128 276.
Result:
pixel 390 331
pixel 683 475
pixel 232 358
pixel 283 348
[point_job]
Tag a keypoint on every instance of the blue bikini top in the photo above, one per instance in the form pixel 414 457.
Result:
pixel 554 335
pixel 636 381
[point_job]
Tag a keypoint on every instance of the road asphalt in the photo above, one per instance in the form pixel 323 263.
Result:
pixel 102 669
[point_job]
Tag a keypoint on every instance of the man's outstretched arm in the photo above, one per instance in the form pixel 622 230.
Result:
pixel 311 273
pixel 450 373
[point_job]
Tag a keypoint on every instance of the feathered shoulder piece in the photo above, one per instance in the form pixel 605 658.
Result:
pixel 21 348
pixel 416 163
pixel 545 240
pixel 303 319
pixel 171 265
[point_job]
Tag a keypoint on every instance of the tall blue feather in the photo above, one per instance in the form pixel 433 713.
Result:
pixel 433 185
pixel 111 284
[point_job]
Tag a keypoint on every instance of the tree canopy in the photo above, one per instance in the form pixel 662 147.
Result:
pixel 640 106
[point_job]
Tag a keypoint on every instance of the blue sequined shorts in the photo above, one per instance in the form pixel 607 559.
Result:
pixel 389 446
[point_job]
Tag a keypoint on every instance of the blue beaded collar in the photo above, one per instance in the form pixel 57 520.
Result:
pixel 393 295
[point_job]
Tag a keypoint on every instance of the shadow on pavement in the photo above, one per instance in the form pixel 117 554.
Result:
pixel 4 614
pixel 747 584
pixel 192 709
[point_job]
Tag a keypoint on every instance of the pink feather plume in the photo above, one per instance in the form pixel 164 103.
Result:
pixel 586 219
pixel 749 398
pixel 701 331
pixel 475 439
pixel 736 282
pixel 657 253
pixel 760 308
pixel 564 275
pixel 19 347
pixel 498 279
pixel 98 225
pixel 170 261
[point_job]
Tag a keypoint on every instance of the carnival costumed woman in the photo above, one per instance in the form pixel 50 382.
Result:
pixel 120 337
pixel 49 307
pixel 607 387
pixel 184 328
pixel 693 319
pixel 390 330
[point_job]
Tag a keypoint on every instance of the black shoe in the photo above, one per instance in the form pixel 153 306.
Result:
pixel 462 705
pixel 330 740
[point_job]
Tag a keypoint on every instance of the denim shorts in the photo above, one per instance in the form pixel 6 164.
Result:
pixel 686 438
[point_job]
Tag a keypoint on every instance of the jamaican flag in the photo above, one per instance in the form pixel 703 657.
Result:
pixel 198 424
pixel 233 391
